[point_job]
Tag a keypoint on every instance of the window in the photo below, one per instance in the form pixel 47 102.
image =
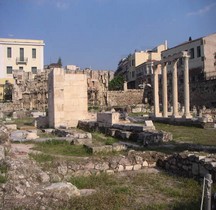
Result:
pixel 21 54
pixel 198 51
pixel 191 53
pixel 34 70
pixel 21 68
pixel 9 69
pixel 33 53
pixel 9 52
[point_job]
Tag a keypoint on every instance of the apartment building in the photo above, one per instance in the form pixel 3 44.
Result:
pixel 202 62
pixel 19 55
pixel 127 67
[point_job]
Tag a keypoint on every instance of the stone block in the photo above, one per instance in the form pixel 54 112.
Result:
pixel 118 147
pixel 108 118
pixel 145 164
pixel 149 124
pixel 203 171
pixel 11 126
pixel 31 136
pixel 102 166
pixel 129 168
pixel 122 134
pixel 120 168
pixel 137 167
pixel 110 171
pixel 195 169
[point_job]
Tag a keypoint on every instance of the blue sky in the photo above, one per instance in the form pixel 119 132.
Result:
pixel 98 33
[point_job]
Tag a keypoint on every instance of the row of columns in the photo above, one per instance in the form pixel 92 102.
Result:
pixel 175 113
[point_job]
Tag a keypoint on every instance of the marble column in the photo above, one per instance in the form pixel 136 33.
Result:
pixel 156 93
pixel 186 87
pixel 175 90
pixel 164 89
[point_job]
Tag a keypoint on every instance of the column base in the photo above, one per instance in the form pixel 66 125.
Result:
pixel 188 116
pixel 175 116
pixel 158 115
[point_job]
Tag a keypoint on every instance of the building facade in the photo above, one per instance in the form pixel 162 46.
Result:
pixel 19 55
pixel 129 67
pixel 202 62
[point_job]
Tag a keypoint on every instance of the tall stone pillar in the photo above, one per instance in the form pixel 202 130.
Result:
pixel 186 86
pixel 175 90
pixel 164 89
pixel 156 92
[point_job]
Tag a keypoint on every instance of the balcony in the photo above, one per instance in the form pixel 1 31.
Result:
pixel 21 60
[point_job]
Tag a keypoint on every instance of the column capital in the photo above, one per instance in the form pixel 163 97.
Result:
pixel 185 54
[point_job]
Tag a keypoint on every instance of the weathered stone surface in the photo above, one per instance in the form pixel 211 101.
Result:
pixel 62 190
pixel 195 169
pixel 102 166
pixel 4 134
pixel 137 167
pixel 11 126
pixel 120 168
pixel 31 136
pixel 87 192
pixel 43 177
pixel 129 168
pixel 2 153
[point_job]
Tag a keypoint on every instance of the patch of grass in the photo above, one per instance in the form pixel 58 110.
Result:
pixel 3 171
pixel 56 147
pixel 189 134
pixel 137 114
pixel 3 167
pixel 110 141
pixel 41 158
pixel 3 179
pixel 93 181
pixel 46 135
pixel 24 121
pixel 101 138
pixel 142 191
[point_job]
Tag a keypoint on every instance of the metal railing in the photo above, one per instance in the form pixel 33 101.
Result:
pixel 21 60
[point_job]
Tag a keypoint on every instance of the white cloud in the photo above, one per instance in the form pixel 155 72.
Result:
pixel 203 10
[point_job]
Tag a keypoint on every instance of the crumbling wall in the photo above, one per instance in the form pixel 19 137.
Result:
pixel 124 98
pixel 30 91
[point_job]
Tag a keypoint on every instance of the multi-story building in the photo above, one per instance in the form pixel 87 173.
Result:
pixel 17 55
pixel 127 67
pixel 202 62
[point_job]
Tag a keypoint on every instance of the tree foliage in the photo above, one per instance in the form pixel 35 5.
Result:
pixel 116 83
pixel 59 62
pixel 8 89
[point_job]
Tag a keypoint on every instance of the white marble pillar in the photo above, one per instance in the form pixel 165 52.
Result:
pixel 175 90
pixel 164 89
pixel 156 93
pixel 186 86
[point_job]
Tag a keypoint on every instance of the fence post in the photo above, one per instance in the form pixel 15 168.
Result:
pixel 208 182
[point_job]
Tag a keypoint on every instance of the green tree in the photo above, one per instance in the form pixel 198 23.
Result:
pixel 116 83
pixel 59 62
pixel 8 89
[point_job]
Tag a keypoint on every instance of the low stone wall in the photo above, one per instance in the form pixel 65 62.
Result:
pixel 124 98
pixel 189 165
pixel 89 166
pixel 133 132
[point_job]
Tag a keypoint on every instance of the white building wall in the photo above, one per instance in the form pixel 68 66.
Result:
pixel 15 45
